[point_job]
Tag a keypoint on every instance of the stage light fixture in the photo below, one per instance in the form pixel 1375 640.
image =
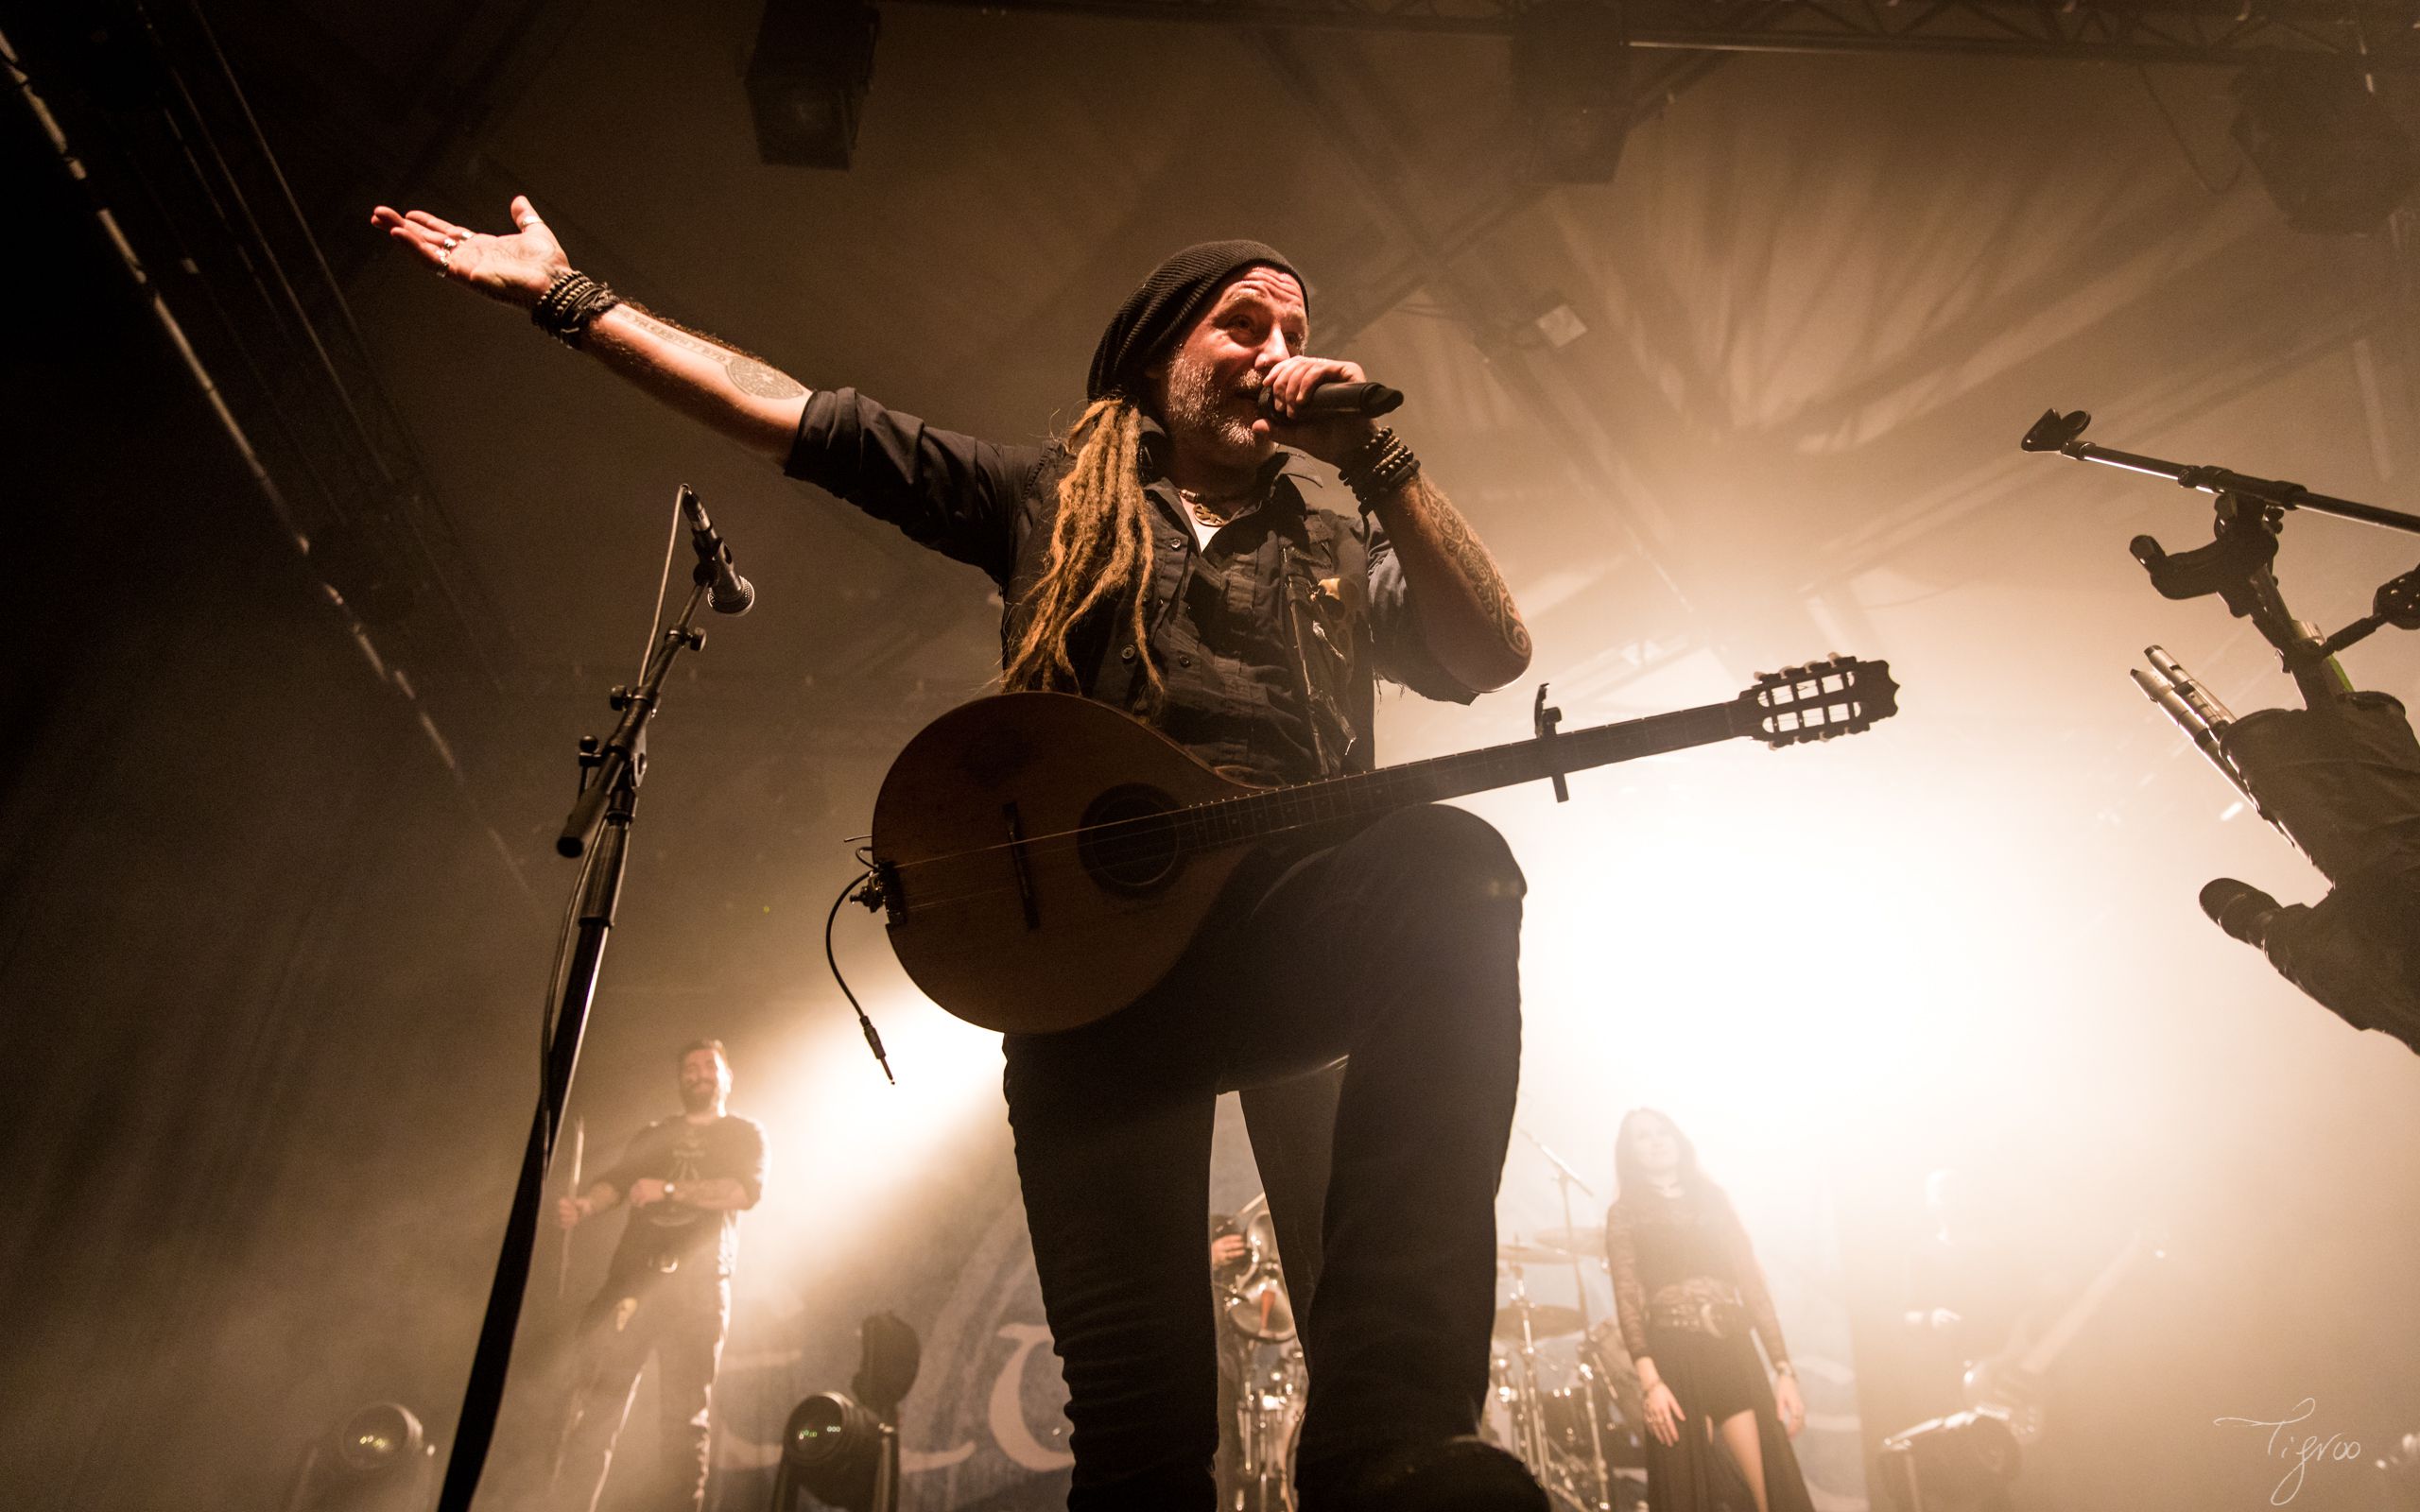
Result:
pixel 1959 1456
pixel 379 1438
pixel 838 1450
pixel 2327 149
pixel 1572 83
pixel 377 1460
pixel 888 1356
pixel 808 79
pixel 844 1450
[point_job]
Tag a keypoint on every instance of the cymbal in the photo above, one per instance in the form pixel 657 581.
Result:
pixel 1581 1241
pixel 1533 1254
pixel 1546 1320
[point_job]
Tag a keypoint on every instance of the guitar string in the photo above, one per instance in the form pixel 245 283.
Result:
pixel 1053 841
pixel 967 895
pixel 1058 839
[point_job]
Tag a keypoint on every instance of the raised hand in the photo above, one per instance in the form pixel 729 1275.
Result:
pixel 515 268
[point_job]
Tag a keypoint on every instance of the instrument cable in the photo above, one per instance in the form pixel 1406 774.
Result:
pixel 865 887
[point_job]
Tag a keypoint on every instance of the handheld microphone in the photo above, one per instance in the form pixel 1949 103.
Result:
pixel 2239 908
pixel 1340 399
pixel 729 593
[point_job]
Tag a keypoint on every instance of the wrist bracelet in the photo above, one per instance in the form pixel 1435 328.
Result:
pixel 571 302
pixel 1383 466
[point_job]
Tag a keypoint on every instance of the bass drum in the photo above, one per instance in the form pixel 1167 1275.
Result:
pixel 1568 1415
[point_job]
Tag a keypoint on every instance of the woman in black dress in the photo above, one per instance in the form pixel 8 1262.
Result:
pixel 1688 1293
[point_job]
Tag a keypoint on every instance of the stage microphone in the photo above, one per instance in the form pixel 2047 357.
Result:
pixel 2239 908
pixel 729 593
pixel 1340 399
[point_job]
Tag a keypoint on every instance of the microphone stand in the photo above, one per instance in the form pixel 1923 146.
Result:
pixel 599 828
pixel 1566 1178
pixel 2238 564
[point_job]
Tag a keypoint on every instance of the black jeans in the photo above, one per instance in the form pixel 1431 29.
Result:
pixel 681 1319
pixel 1397 949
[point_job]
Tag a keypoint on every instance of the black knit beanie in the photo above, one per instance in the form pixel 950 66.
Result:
pixel 1165 307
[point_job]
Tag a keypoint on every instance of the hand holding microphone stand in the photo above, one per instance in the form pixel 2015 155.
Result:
pixel 597 833
pixel 2339 778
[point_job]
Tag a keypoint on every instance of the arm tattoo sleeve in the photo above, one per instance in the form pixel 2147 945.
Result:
pixel 749 375
pixel 1453 535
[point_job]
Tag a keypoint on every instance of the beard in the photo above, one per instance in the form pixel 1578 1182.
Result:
pixel 697 1096
pixel 1201 412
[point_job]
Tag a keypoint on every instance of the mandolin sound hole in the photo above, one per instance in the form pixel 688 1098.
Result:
pixel 1122 854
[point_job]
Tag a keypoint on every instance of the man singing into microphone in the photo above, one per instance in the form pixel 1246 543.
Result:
pixel 1163 559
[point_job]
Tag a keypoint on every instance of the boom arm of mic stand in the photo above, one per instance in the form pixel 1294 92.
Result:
pixel 1563 1171
pixel 2237 564
pixel 2059 433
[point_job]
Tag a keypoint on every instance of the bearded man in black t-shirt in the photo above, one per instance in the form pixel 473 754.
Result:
pixel 667 1292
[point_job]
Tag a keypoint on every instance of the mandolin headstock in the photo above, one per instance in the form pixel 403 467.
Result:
pixel 1838 695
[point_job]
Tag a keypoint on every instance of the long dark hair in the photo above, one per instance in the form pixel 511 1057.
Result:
pixel 1630 1182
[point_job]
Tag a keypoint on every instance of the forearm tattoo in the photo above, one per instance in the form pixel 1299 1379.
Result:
pixel 757 379
pixel 1453 537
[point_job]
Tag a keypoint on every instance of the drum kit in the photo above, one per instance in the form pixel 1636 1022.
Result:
pixel 1561 1394
pixel 1271 1380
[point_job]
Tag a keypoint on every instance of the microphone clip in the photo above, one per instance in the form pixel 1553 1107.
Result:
pixel 727 591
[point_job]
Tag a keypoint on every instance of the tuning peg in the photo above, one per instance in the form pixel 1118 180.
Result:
pixel 1544 721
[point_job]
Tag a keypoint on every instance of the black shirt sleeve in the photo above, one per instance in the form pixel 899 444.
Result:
pixel 748 1159
pixel 952 492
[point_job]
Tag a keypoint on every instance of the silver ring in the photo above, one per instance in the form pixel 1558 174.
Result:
pixel 444 261
pixel 450 243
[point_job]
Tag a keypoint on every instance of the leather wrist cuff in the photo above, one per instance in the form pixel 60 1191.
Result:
pixel 570 304
pixel 1383 466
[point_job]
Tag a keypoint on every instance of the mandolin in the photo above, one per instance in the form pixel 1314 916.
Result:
pixel 1044 860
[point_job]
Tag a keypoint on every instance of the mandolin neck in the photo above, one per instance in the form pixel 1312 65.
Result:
pixel 1363 795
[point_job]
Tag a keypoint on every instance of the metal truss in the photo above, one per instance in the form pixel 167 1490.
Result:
pixel 150 119
pixel 2381 33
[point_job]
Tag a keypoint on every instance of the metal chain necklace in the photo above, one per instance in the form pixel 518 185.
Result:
pixel 1216 509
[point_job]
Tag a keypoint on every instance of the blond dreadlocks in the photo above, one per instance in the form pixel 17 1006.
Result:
pixel 1101 546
